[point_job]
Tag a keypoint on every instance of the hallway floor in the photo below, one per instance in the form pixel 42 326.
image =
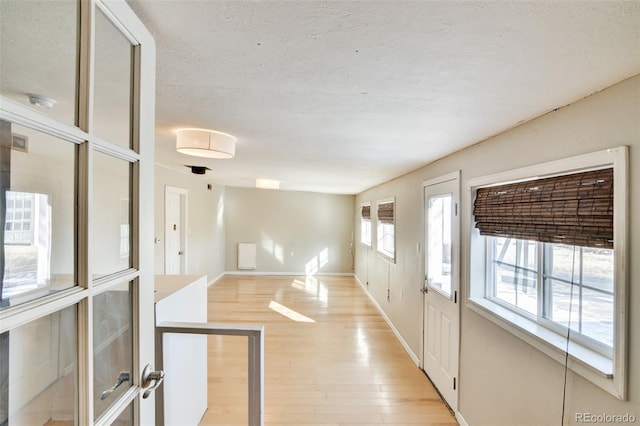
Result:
pixel 330 358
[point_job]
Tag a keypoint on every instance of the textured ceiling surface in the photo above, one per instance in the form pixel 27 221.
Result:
pixel 340 96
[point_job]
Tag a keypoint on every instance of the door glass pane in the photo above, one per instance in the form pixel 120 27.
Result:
pixel 38 372
pixel 37 215
pixel 39 54
pixel 439 243
pixel 112 346
pixel 112 213
pixel 113 71
pixel 125 418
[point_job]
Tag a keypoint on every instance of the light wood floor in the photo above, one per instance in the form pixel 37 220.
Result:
pixel 345 368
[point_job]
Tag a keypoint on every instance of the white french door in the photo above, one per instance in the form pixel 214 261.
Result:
pixel 76 160
pixel 441 311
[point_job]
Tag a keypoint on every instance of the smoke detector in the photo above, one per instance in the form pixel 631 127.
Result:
pixel 41 101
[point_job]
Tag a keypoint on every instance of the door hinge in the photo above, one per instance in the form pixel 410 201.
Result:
pixel 454 383
pixel 455 296
pixel 456 209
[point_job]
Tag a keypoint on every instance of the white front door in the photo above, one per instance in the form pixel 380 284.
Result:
pixel 175 230
pixel 76 213
pixel 441 314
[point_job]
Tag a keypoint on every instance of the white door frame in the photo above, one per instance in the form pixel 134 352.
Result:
pixel 184 203
pixel 456 275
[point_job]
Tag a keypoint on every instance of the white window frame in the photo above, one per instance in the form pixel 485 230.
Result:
pixel 380 231
pixel 609 373
pixel 366 234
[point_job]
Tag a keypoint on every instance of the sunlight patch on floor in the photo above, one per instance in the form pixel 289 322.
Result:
pixel 289 313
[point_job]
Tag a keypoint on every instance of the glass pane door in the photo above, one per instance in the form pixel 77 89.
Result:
pixel 76 265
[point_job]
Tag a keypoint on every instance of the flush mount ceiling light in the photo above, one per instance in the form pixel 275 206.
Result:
pixel 267 184
pixel 41 101
pixel 205 143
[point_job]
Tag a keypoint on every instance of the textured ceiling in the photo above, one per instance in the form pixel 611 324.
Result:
pixel 339 96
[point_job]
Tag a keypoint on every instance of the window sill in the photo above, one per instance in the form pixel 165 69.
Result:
pixel 589 364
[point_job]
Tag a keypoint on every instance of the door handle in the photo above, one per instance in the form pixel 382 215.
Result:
pixel 122 377
pixel 180 253
pixel 151 380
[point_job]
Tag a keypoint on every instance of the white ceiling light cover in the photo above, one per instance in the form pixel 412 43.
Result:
pixel 267 184
pixel 205 143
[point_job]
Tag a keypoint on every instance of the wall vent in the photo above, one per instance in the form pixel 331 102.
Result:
pixel 246 256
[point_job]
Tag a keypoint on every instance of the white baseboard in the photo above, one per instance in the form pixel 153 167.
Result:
pixel 461 419
pixel 287 274
pixel 215 280
pixel 403 342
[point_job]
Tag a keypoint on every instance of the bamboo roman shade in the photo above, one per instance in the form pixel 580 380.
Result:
pixel 385 212
pixel 574 209
pixel 366 212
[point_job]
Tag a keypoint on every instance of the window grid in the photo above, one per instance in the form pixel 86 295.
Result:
pixel 18 224
pixel 576 304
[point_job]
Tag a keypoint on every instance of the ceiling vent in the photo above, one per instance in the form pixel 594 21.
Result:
pixel 198 170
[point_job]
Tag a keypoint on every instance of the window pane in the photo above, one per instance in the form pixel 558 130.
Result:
pixel 597 268
pixel 39 54
pixel 112 346
pixel 562 262
pixel 562 299
pixel 439 243
pixel 515 277
pixel 516 252
pixel 39 218
pixel 386 239
pixel 113 68
pixel 597 316
pixel 365 232
pixel 112 212
pixel 38 372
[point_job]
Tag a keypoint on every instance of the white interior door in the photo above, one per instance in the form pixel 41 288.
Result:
pixel 441 313
pixel 76 214
pixel 175 231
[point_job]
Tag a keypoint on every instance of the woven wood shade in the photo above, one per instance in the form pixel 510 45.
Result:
pixel 575 209
pixel 385 212
pixel 366 212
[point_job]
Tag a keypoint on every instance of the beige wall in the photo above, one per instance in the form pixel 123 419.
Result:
pixel 504 381
pixel 292 230
pixel 206 236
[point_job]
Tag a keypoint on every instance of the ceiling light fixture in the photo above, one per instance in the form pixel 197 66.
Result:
pixel 205 143
pixel 267 184
pixel 41 101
